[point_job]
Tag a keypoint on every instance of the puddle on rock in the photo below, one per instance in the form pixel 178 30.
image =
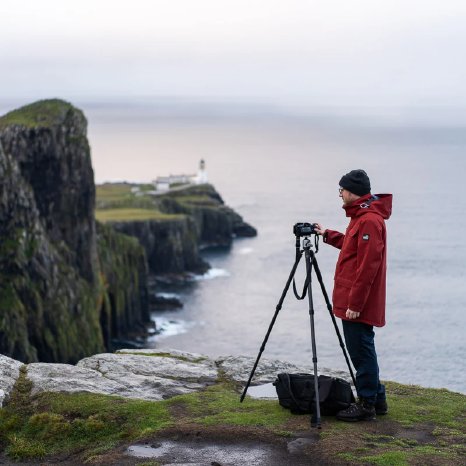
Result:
pixel 263 391
pixel 198 452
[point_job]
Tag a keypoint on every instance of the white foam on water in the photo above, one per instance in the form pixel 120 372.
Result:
pixel 244 251
pixel 169 327
pixel 211 274
pixel 167 295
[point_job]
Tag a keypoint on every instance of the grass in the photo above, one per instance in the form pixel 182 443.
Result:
pixel 43 113
pixel 117 202
pixel 195 200
pixel 219 405
pixel 65 423
pixel 440 407
pixel 113 192
pixel 424 426
pixel 133 214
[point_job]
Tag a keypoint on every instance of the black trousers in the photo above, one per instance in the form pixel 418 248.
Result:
pixel 359 338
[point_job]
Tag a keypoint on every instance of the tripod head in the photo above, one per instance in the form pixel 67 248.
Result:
pixel 305 231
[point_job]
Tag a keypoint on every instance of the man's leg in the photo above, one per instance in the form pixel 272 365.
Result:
pixel 359 340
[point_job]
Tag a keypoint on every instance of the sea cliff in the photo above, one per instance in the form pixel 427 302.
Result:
pixel 50 288
pixel 71 286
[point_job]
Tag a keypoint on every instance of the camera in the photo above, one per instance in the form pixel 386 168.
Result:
pixel 304 229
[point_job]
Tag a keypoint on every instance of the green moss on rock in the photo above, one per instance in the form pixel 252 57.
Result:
pixel 44 113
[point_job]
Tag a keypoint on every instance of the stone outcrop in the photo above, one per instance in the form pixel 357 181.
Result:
pixel 9 373
pixel 52 289
pixel 145 374
pixel 238 369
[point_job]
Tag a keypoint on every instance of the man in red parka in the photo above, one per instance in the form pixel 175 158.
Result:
pixel 359 288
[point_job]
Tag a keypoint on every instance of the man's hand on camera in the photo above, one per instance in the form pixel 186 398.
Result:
pixel 319 229
pixel 352 314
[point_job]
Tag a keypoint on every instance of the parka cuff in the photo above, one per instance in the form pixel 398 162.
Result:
pixel 325 236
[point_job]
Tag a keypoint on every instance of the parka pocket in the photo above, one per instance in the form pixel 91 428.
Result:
pixel 341 293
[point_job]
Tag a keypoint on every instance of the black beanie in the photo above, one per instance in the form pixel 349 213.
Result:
pixel 356 182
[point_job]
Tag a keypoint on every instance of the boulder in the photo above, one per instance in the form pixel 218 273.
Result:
pixel 238 369
pixel 9 373
pixel 140 374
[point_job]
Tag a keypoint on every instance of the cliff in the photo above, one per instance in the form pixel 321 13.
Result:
pixel 124 273
pixel 171 226
pixel 54 295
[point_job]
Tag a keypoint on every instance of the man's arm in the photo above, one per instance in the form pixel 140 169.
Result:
pixel 334 238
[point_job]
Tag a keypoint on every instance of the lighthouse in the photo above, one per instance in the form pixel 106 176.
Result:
pixel 201 174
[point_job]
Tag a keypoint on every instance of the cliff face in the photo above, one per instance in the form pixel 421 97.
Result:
pixel 48 142
pixel 52 291
pixel 171 245
pixel 216 223
pixel 172 227
pixel 125 305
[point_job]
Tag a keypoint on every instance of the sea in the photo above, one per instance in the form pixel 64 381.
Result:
pixel 277 167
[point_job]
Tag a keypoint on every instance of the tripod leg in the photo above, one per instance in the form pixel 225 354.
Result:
pixel 277 310
pixel 315 418
pixel 329 307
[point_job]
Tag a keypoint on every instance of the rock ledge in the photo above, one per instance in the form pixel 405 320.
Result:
pixel 146 374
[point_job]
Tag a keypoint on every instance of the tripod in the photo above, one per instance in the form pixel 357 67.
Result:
pixel 311 262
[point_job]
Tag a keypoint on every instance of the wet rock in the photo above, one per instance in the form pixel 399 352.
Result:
pixel 9 373
pixel 161 302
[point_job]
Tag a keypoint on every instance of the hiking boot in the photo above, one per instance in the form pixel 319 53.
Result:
pixel 381 407
pixel 360 411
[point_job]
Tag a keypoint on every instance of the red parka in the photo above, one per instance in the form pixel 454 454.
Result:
pixel 360 272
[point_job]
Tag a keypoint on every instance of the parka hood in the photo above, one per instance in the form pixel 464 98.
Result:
pixel 380 204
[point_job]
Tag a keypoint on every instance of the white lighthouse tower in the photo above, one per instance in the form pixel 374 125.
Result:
pixel 201 174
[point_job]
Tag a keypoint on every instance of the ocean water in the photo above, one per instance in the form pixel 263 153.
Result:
pixel 276 170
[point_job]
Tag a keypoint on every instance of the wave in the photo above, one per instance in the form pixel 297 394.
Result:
pixel 211 274
pixel 165 295
pixel 244 251
pixel 166 327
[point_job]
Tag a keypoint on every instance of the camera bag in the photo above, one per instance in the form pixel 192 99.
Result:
pixel 296 392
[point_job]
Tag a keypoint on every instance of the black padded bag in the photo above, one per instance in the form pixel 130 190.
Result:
pixel 296 392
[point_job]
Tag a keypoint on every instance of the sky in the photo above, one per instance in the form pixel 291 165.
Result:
pixel 406 53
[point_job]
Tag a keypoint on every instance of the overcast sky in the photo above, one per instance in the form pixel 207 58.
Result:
pixel 307 52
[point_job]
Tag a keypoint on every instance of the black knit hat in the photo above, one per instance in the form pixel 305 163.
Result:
pixel 356 182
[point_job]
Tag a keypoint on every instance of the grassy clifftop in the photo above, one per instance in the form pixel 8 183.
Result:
pixel 117 202
pixel 43 113
pixel 423 427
